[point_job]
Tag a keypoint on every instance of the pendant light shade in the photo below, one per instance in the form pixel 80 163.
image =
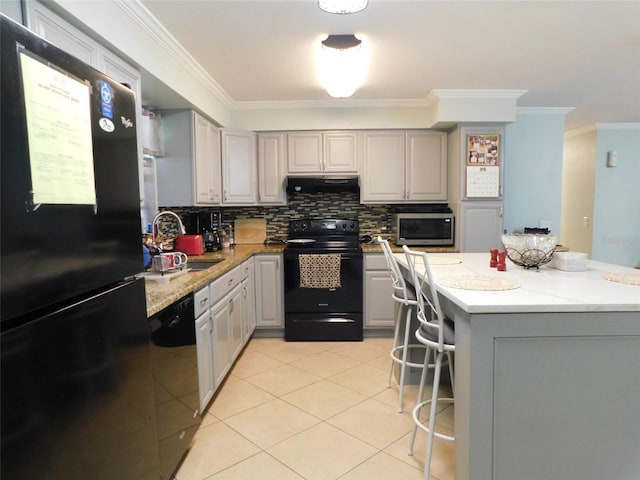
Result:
pixel 342 6
pixel 342 64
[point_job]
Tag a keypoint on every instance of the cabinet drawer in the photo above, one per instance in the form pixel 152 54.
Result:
pixel 375 262
pixel 201 301
pixel 223 285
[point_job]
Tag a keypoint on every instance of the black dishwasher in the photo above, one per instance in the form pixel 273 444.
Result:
pixel 175 376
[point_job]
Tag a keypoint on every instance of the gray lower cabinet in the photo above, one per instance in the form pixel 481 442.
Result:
pixel 225 318
pixel 269 282
pixel 378 305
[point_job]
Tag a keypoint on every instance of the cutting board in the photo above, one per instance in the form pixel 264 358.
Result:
pixel 250 230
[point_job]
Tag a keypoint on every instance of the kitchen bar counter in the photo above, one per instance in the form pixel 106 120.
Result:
pixel 547 374
pixel 161 295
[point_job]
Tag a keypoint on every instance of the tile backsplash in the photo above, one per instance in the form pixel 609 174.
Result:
pixel 374 219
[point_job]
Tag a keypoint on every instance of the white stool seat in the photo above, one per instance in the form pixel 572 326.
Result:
pixel 405 296
pixel 436 333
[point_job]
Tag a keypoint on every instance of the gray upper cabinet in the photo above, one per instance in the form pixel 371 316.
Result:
pixel 239 167
pixel 404 166
pixel 322 152
pixel 272 158
pixel 189 173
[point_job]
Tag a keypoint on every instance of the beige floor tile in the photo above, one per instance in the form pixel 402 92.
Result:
pixel 262 344
pixel 289 352
pixel 373 422
pixel 361 378
pixel 253 362
pixel 271 422
pixel 261 466
pixel 443 456
pixel 324 399
pixel 384 467
pixel 390 396
pixel 322 452
pixel 283 379
pixel 208 419
pixel 236 397
pixel 381 363
pixel 361 352
pixel 215 448
pixel 325 364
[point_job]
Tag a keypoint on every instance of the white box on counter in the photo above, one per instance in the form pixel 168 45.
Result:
pixel 569 261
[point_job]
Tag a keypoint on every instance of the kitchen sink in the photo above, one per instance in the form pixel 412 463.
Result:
pixel 199 266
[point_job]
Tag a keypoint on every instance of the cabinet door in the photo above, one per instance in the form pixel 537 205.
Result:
pixel 378 305
pixel 304 150
pixel 220 316
pixel 175 169
pixel 61 33
pixel 236 318
pixel 249 299
pixel 207 162
pixel 204 344
pixel 269 284
pixel 340 152
pixel 426 166
pixel 480 226
pixel 271 168
pixel 383 167
pixel 239 167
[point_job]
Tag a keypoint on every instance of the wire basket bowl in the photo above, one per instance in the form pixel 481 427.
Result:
pixel 529 250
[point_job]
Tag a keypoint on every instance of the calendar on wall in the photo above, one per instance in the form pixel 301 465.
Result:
pixel 483 165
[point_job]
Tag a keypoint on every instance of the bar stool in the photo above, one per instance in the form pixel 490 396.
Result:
pixel 437 334
pixel 405 297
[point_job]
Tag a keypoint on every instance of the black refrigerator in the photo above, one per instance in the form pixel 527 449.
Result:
pixel 76 386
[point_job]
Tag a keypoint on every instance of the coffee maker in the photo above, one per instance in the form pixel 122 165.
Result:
pixel 206 224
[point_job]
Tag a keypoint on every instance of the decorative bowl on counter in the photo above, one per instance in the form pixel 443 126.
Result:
pixel 529 250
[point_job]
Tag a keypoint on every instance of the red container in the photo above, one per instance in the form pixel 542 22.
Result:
pixel 189 244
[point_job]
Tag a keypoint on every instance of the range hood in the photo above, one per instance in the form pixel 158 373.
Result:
pixel 323 183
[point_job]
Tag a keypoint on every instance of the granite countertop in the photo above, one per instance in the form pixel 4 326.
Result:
pixel 161 295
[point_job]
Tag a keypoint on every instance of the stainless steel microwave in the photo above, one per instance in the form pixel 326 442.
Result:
pixel 436 229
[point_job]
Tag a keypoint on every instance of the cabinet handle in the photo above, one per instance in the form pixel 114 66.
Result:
pixel 225 194
pixel 204 301
pixel 231 305
pixel 230 282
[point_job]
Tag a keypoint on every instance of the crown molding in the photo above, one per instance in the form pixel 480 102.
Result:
pixel 618 126
pixel 462 93
pixel 329 103
pixel 167 42
pixel 544 110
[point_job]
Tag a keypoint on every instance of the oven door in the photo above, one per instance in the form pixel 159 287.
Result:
pixel 323 314
pixel 347 298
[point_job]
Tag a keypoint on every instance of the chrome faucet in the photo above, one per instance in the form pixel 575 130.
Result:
pixel 155 220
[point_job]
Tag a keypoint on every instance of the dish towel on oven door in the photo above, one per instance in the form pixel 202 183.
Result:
pixel 320 270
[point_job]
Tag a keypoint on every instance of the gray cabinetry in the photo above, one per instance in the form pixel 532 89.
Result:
pixel 378 305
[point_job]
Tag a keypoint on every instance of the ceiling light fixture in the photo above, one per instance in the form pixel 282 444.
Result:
pixel 342 64
pixel 342 6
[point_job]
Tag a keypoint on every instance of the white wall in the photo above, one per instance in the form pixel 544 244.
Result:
pixel 533 171
pixel 616 212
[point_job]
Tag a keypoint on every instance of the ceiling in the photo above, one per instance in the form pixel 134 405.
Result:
pixel 583 55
